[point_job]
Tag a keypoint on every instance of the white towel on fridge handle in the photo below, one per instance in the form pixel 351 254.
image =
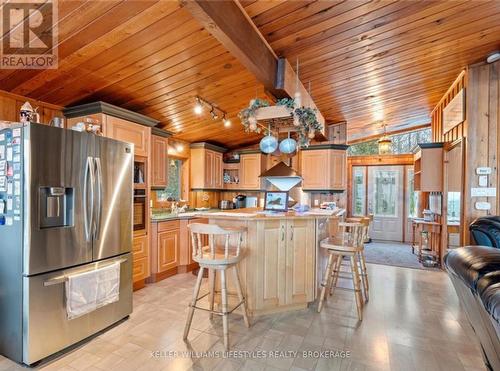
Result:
pixel 87 291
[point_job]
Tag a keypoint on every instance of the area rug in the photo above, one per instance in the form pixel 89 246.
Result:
pixel 392 253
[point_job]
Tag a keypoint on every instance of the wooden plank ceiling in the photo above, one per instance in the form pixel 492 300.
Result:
pixel 363 59
pixel 372 60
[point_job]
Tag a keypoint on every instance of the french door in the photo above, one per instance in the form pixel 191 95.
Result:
pixel 385 193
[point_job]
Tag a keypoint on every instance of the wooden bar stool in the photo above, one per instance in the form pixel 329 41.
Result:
pixel 365 221
pixel 218 256
pixel 348 243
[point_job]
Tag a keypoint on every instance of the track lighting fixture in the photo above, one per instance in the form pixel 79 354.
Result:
pixel 198 107
pixel 215 112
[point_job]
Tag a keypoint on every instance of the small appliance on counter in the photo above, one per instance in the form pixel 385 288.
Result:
pixel 226 205
pixel 240 201
pixel 251 202
pixel 428 215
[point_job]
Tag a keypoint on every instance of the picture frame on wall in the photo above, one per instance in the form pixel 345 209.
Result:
pixel 454 112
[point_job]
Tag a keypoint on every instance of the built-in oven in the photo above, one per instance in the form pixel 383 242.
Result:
pixel 140 208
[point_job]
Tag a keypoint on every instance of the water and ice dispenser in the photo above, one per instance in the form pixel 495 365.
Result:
pixel 56 207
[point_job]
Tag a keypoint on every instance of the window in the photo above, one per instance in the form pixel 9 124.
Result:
pixel 453 207
pixel 358 190
pixel 401 143
pixel 412 194
pixel 173 191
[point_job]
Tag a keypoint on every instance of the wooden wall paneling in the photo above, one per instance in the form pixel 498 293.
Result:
pixel 10 105
pixel 482 137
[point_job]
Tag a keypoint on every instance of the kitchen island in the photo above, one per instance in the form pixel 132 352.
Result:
pixel 283 264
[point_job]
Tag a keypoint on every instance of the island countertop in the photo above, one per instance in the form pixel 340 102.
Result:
pixel 248 214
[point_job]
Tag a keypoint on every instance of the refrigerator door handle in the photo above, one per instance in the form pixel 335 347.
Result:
pixel 97 223
pixel 88 216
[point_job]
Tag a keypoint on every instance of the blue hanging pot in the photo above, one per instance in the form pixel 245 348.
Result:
pixel 268 144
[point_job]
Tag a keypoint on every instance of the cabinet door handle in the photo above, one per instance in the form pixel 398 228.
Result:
pixel 282 233
pixel 291 233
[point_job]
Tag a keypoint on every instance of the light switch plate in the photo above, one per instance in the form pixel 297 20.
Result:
pixel 483 180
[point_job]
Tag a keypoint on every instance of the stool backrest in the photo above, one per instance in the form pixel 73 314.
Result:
pixel 352 233
pixel 216 236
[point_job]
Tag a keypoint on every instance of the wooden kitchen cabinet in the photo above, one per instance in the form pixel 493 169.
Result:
pixel 165 249
pixel 159 163
pixel 324 167
pixel 206 166
pixel 140 254
pixel 286 262
pixel 129 132
pixel 428 167
pixel 251 166
pixel 168 250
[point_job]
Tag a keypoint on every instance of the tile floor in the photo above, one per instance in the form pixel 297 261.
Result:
pixel 412 322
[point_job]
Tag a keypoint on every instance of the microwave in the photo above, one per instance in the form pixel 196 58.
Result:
pixel 140 208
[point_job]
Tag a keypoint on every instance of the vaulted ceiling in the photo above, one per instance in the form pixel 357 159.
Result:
pixel 366 60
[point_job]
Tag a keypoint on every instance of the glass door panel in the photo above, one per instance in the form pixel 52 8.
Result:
pixel 359 190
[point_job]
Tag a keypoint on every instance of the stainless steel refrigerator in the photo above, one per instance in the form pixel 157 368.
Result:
pixel 65 208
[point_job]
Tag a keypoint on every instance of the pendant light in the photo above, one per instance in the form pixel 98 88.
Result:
pixel 384 144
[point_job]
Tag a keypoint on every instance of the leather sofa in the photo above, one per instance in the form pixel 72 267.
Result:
pixel 475 273
pixel 485 231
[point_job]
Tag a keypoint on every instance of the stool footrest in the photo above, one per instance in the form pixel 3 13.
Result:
pixel 217 312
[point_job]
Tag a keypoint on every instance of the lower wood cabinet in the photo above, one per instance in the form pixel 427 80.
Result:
pixel 285 253
pixel 140 253
pixel 168 249
pixel 165 249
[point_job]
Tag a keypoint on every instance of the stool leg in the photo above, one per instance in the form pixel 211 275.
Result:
pixel 196 292
pixel 211 279
pixel 364 275
pixel 224 308
pixel 241 298
pixel 357 289
pixel 327 277
pixel 336 273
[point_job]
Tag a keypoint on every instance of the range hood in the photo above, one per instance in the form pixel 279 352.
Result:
pixel 282 176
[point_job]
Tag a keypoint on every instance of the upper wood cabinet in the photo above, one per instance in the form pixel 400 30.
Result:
pixel 428 167
pixel 324 168
pixel 159 162
pixel 129 132
pixel 251 166
pixel 206 166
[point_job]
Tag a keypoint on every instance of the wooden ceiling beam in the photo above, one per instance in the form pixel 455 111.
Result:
pixel 228 22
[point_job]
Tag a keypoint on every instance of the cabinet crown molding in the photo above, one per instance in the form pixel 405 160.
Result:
pixel 210 146
pixel 109 109
pixel 313 147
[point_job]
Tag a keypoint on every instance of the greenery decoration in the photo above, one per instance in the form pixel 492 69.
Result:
pixel 304 118
pixel 246 114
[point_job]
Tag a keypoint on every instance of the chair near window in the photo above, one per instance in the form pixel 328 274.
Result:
pixel 222 253
pixel 349 243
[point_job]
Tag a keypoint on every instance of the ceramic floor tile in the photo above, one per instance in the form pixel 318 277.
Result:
pixel 413 321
